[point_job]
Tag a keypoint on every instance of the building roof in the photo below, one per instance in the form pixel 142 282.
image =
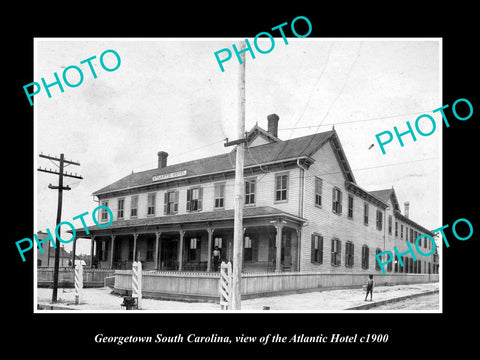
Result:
pixel 217 215
pixel 388 194
pixel 410 222
pixel 275 151
pixel 383 195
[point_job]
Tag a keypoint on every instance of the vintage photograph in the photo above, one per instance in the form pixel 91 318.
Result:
pixel 181 184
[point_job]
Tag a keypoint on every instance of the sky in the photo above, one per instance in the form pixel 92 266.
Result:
pixel 170 95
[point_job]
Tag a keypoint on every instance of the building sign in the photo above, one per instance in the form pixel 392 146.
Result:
pixel 169 175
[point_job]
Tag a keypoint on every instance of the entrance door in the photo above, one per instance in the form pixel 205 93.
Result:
pixel 168 257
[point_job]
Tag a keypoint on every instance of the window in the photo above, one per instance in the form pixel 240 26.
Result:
pixel 104 213
pixel 389 266
pixel 103 251
pixel 336 201
pixel 134 206
pixel 336 252
pixel 151 203
pixel 120 210
pixel 194 199
pixel 217 242
pixel 365 252
pixel 401 231
pixel 171 203
pixel 379 220
pixel 412 233
pixel 401 267
pixel 247 251
pixel 396 264
pixel 281 187
pixel 406 233
pixel 150 243
pixel 193 246
pixel 365 213
pixel 317 249
pixel 389 224
pixel 349 250
pixel 350 206
pixel 318 191
pixel 250 192
pixel 219 195
pixel 377 265
pixel 396 229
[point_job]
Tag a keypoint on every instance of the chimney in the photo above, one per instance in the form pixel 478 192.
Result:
pixel 273 124
pixel 407 205
pixel 162 159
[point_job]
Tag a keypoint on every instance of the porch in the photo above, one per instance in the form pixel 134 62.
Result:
pixel 169 243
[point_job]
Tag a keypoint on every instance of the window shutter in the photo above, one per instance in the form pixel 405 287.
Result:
pixel 189 198
pixel 165 204
pixel 175 201
pixel 347 252
pixel 339 252
pixel 352 251
pixel 312 251
pixel 200 198
pixel 320 249
pixel 333 199
pixel 339 202
pixel 333 252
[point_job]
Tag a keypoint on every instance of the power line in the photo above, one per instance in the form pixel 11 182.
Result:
pixel 261 178
pixel 314 86
pixel 353 121
pixel 338 95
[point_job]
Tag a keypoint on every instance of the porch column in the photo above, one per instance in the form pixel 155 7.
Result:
pixel 180 250
pixel 210 231
pixel 299 249
pixel 92 241
pixel 157 249
pixel 135 235
pixel 278 244
pixel 113 249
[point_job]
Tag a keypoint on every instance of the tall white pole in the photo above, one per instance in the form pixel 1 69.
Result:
pixel 239 190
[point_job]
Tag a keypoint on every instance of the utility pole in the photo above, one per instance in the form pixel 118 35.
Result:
pixel 239 187
pixel 60 189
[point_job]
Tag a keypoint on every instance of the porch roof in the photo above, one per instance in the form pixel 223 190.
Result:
pixel 191 218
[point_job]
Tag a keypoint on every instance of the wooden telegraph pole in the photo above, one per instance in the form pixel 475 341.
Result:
pixel 60 189
pixel 239 188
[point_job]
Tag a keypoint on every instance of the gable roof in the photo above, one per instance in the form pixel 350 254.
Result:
pixel 386 195
pixel 389 194
pixel 258 131
pixel 277 151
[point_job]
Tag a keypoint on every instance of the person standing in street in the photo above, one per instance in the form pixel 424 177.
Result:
pixel 370 283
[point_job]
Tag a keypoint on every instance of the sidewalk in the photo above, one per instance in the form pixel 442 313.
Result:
pixel 98 299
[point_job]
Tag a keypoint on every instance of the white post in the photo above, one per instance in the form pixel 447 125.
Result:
pixel 225 286
pixel 137 283
pixel 78 283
